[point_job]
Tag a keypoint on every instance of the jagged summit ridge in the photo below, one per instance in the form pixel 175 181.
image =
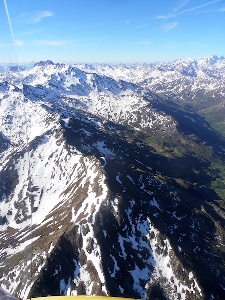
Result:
pixel 116 210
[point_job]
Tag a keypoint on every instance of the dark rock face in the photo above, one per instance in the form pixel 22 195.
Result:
pixel 44 63
pixel 4 143
pixel 126 201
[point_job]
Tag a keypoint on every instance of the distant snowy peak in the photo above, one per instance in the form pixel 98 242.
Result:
pixel 72 79
pixel 180 79
pixel 70 88
pixel 182 67
pixel 211 60
pixel 120 94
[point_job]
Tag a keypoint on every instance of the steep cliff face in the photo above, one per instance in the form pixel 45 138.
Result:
pixel 107 189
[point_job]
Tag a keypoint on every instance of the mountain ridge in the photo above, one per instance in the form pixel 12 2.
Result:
pixel 120 189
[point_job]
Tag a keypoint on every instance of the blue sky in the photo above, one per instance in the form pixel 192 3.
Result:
pixel 112 31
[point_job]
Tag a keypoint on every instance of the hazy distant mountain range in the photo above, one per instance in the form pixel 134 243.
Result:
pixel 125 179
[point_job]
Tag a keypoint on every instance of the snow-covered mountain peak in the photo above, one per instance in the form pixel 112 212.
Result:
pixel 44 63
pixel 210 60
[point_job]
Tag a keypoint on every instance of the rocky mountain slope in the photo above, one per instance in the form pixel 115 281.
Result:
pixel 108 188
pixel 199 83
